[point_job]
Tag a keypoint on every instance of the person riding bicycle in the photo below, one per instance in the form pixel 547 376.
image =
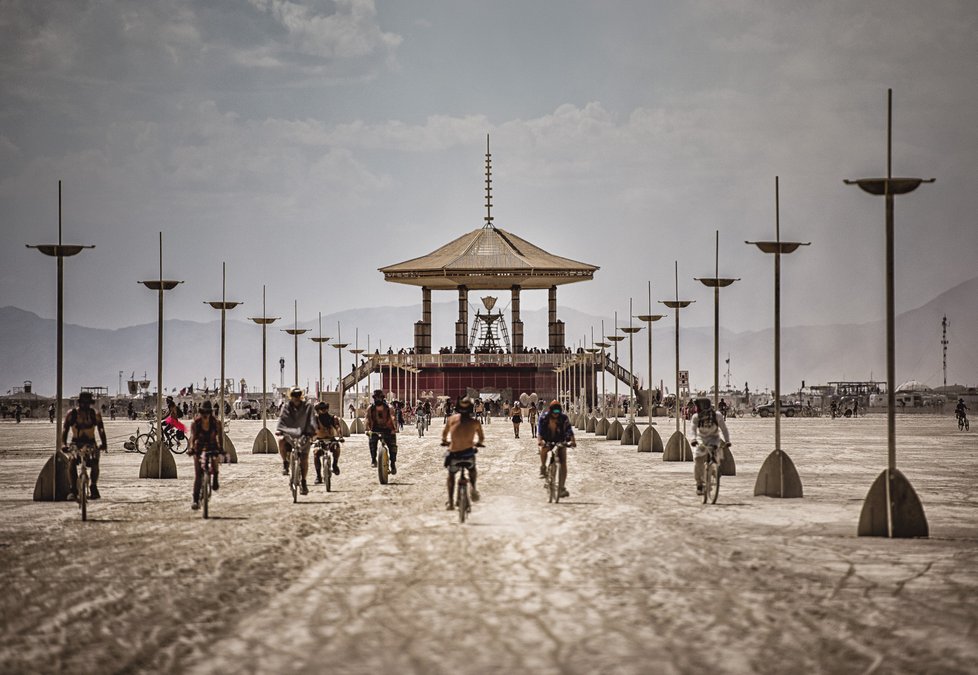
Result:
pixel 555 427
pixel 172 426
pixel 207 435
pixel 296 420
pixel 381 420
pixel 463 428
pixel 328 428
pixel 708 424
pixel 722 408
pixel 960 410
pixel 82 422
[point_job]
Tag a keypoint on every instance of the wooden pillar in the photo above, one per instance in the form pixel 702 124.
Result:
pixel 462 325
pixel 517 323
pixel 422 329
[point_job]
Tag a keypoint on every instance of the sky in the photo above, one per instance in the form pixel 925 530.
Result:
pixel 306 144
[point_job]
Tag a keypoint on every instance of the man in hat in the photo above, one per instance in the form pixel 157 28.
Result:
pixel 207 435
pixel 295 421
pixel 82 423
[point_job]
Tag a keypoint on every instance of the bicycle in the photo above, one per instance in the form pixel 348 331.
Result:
pixel 207 466
pixel 325 455
pixel 295 464
pixel 81 456
pixel 383 458
pixel 175 440
pixel 711 471
pixel 552 483
pixel 419 421
pixel 463 502
pixel 963 424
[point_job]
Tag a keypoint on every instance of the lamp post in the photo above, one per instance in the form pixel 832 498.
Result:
pixel 592 419
pixel 778 476
pixel 630 433
pixel 265 441
pixel 677 448
pixel 601 426
pixel 58 463
pixel 339 346
pixel 358 426
pixel 158 453
pixel 891 508
pixel 320 340
pixel 295 332
pixel 224 306
pixel 615 429
pixel 728 467
pixel 650 440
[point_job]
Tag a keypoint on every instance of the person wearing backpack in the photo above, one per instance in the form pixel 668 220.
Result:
pixel 707 425
pixel 381 420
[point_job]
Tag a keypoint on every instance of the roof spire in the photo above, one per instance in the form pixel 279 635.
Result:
pixel 488 217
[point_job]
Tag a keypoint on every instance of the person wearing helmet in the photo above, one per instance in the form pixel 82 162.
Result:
pixel 327 427
pixel 464 428
pixel 380 420
pixel 82 423
pixel 295 422
pixel 555 427
pixel 707 424
pixel 206 434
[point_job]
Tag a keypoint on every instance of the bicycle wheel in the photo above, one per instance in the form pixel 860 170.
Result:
pixel 553 488
pixel 328 471
pixel 463 502
pixel 178 445
pixel 383 464
pixel 83 492
pixel 713 481
pixel 205 493
pixel 142 443
pixel 294 477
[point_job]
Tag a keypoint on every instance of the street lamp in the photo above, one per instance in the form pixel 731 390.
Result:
pixel 339 347
pixel 320 341
pixel 265 441
pixel 892 508
pixel 224 306
pixel 358 426
pixel 58 462
pixel 778 476
pixel 601 426
pixel 677 448
pixel 295 332
pixel 728 467
pixel 158 454
pixel 630 433
pixel 650 440
pixel 615 429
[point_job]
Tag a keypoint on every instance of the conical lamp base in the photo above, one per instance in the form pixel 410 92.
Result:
pixel 906 512
pixel 650 440
pixel 677 449
pixel 778 477
pixel 265 443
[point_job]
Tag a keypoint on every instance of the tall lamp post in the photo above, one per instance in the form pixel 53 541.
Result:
pixel 892 507
pixel 615 429
pixel 358 426
pixel 592 420
pixel 601 426
pixel 677 448
pixel 48 478
pixel 265 441
pixel 728 467
pixel 295 332
pixel 778 476
pixel 650 440
pixel 320 340
pixel 224 306
pixel 158 461
pixel 630 435
pixel 339 346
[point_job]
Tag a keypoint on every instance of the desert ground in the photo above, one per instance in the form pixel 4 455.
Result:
pixel 630 574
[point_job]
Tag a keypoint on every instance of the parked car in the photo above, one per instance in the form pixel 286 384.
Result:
pixel 767 410
pixel 246 408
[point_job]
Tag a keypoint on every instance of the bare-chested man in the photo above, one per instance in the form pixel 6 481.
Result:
pixel 83 422
pixel 463 429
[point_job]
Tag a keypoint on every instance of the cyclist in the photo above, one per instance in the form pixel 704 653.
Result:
pixel 327 427
pixel 380 419
pixel 463 428
pixel 207 435
pixel 555 427
pixel 172 426
pixel 82 422
pixel 707 425
pixel 296 419
pixel 722 408
pixel 960 410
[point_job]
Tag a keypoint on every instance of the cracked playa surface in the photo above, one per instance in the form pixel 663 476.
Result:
pixel 630 574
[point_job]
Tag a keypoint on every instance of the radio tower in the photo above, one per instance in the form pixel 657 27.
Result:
pixel 944 345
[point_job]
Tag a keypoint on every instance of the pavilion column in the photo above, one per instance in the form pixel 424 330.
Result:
pixel 462 325
pixel 556 326
pixel 517 323
pixel 422 329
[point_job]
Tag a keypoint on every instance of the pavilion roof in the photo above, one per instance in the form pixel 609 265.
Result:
pixel 489 258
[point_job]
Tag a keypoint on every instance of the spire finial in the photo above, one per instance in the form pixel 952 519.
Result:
pixel 488 217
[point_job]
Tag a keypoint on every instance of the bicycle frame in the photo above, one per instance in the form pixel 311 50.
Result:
pixel 463 500
pixel 82 480
pixel 553 471
pixel 206 460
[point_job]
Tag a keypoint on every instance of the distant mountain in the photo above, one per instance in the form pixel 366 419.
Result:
pixel 815 354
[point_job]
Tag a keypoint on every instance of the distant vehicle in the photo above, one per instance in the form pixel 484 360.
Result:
pixel 767 410
pixel 246 408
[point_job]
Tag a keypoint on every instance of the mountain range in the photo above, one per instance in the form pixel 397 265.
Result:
pixel 813 354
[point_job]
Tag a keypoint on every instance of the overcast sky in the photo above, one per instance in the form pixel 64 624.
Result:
pixel 309 143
